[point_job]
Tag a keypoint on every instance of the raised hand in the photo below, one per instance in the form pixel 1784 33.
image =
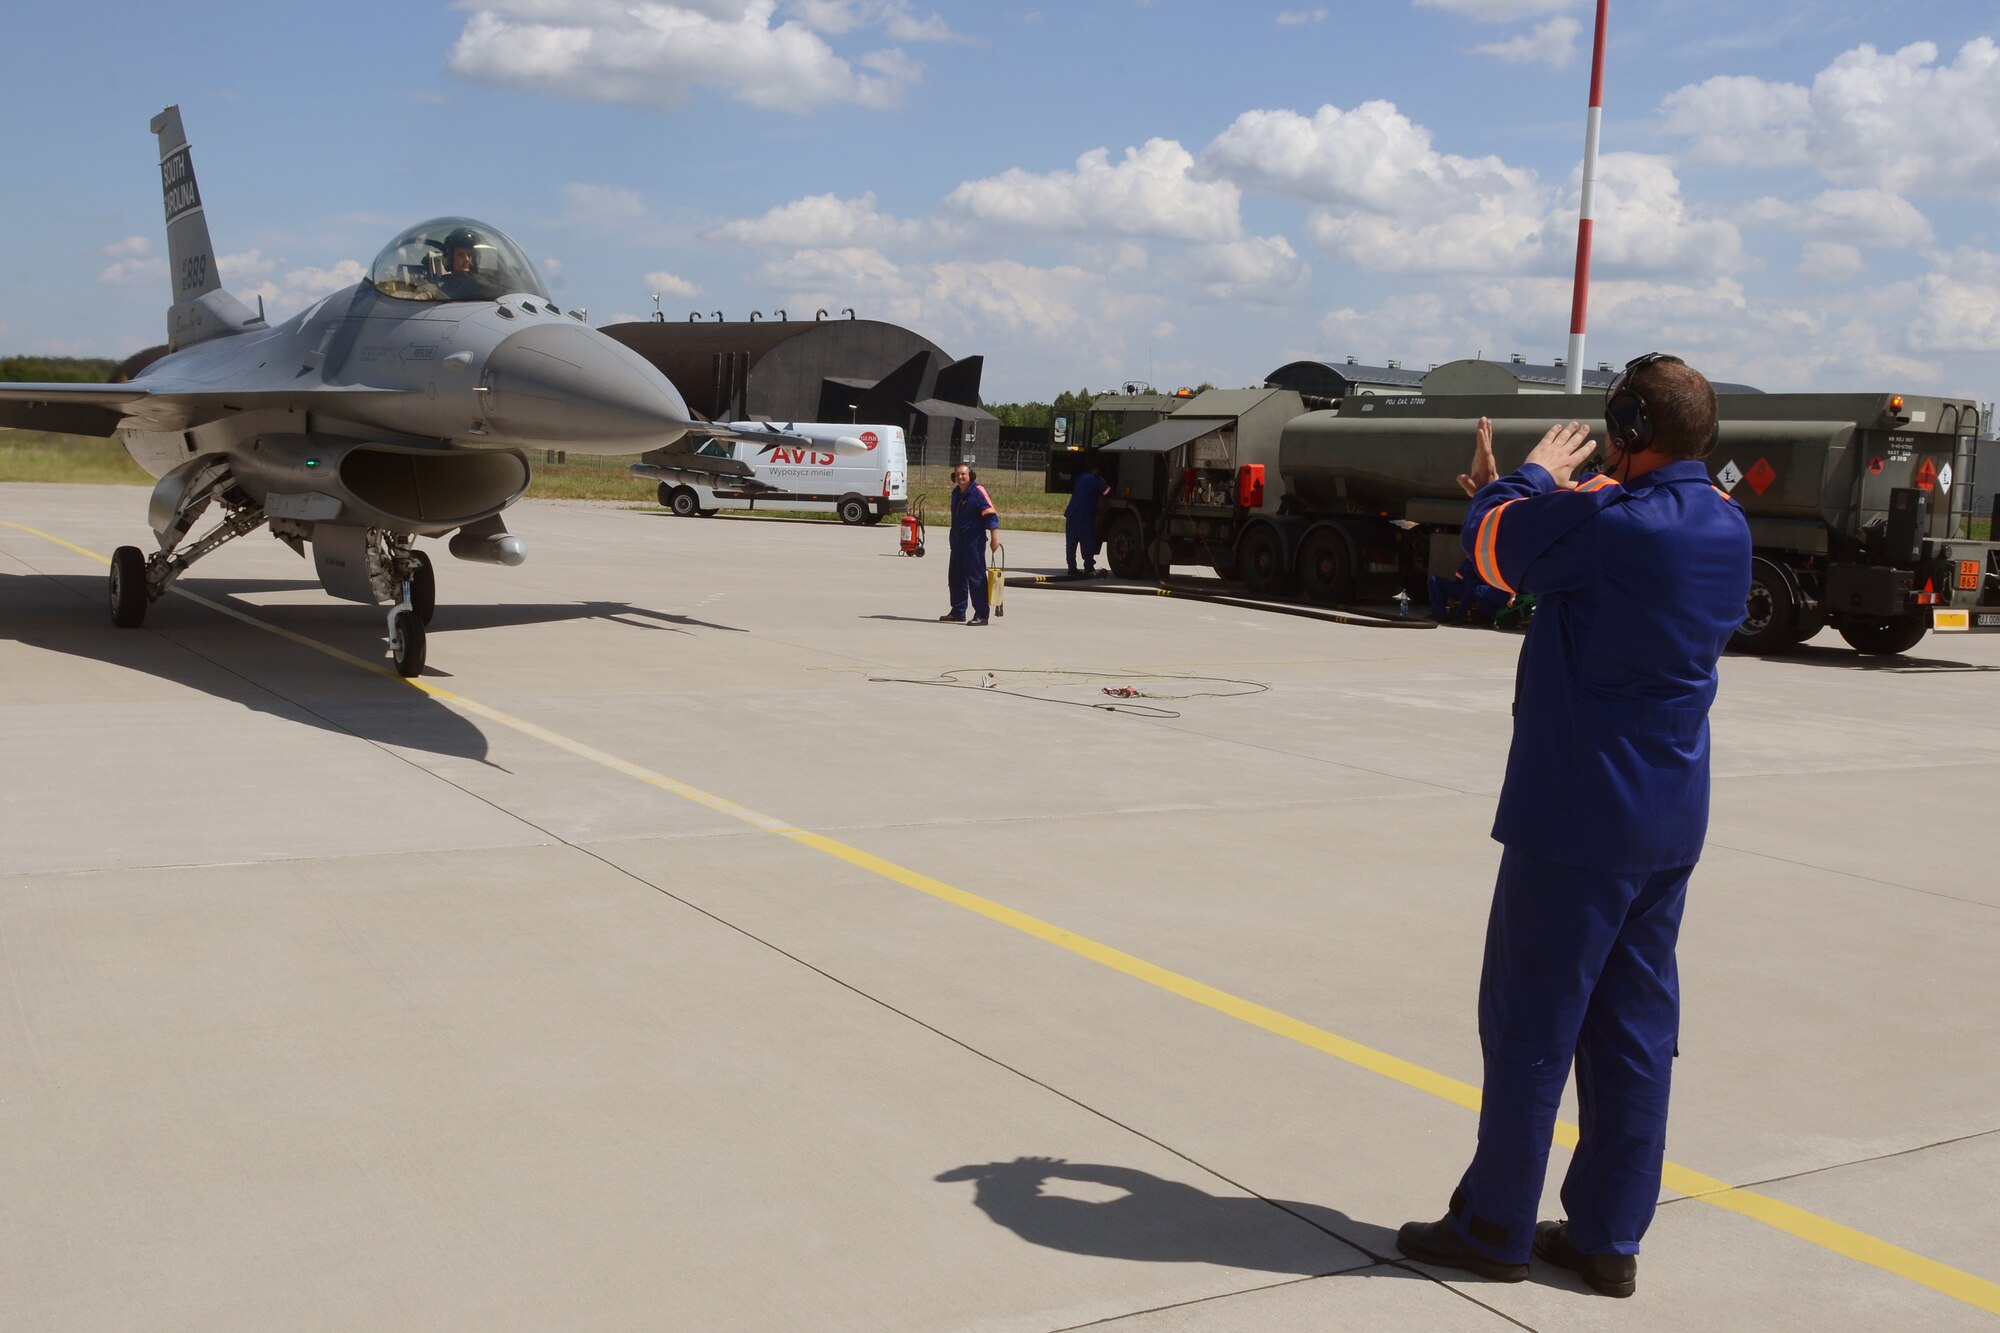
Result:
pixel 1562 451
pixel 1484 469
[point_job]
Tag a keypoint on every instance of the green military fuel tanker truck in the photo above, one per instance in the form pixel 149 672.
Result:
pixel 1858 503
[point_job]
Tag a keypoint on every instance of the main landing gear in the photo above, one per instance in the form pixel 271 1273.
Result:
pixel 390 568
pixel 138 580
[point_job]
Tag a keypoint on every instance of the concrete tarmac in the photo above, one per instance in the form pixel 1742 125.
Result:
pixel 669 961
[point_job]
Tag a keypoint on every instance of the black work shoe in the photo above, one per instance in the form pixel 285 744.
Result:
pixel 1436 1243
pixel 1607 1274
pixel 950 616
pixel 980 621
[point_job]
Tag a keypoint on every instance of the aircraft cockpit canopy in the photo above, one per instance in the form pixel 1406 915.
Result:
pixel 454 259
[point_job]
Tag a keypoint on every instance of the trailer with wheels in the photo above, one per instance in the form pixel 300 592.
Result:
pixel 1859 504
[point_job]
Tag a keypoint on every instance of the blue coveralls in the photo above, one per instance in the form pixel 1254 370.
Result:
pixel 972 517
pixel 1080 521
pixel 1602 816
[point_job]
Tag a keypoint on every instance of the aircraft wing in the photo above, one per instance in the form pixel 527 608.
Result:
pixel 100 409
pixel 71 409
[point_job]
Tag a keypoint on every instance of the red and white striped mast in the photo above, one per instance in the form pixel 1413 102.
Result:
pixel 1579 307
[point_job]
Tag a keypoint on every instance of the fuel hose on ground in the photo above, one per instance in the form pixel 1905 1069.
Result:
pixel 1187 594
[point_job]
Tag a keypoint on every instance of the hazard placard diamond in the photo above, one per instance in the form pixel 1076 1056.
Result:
pixel 1730 475
pixel 1761 475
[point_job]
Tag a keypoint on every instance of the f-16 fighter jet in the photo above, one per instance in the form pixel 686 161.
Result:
pixel 398 408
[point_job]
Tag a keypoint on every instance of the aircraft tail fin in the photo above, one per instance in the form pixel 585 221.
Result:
pixel 201 309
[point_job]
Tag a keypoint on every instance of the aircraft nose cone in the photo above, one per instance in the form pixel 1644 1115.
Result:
pixel 568 385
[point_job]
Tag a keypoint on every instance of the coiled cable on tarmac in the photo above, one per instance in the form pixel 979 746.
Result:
pixel 990 677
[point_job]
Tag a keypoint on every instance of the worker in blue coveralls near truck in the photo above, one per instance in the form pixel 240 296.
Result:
pixel 1641 573
pixel 973 520
pixel 1080 521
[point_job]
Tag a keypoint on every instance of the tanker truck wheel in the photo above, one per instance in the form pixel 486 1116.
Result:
pixel 1326 569
pixel 1125 548
pixel 1883 638
pixel 1770 613
pixel 1260 562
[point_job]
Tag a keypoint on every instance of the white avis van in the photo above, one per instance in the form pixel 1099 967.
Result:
pixel 861 487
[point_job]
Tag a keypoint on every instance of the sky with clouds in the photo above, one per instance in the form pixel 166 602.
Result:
pixel 1793 195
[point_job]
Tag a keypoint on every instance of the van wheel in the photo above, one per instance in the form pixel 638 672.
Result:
pixel 685 503
pixel 853 510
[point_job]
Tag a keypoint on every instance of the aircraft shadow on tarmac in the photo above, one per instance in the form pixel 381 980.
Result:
pixel 1164 1221
pixel 189 645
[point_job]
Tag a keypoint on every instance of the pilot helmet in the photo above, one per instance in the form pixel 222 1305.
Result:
pixel 462 238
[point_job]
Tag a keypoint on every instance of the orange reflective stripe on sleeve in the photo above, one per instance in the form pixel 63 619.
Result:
pixel 1596 483
pixel 1486 548
pixel 1724 494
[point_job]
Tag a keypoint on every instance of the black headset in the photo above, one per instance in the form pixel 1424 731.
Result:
pixel 1628 423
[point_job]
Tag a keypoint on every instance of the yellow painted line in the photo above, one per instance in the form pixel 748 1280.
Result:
pixel 1975 1291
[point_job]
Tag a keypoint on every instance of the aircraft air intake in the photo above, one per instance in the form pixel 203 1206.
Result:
pixel 404 488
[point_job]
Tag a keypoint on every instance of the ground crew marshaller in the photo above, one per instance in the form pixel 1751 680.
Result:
pixel 973 518
pixel 1641 574
pixel 1080 520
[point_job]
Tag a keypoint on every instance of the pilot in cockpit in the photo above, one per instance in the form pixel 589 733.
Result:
pixel 461 266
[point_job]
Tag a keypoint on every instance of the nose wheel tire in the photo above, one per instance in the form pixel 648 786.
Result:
pixel 406 643
pixel 128 587
pixel 423 587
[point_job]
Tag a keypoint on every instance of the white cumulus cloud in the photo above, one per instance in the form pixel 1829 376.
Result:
pixel 1551 43
pixel 134 272
pixel 893 16
pixel 822 220
pixel 1959 304
pixel 1263 270
pixel 671 284
pixel 653 54
pixel 1830 261
pixel 1901 121
pixel 1151 191
pixel 132 247
pixel 1298 18
pixel 1877 218
pixel 246 266
pixel 1372 157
